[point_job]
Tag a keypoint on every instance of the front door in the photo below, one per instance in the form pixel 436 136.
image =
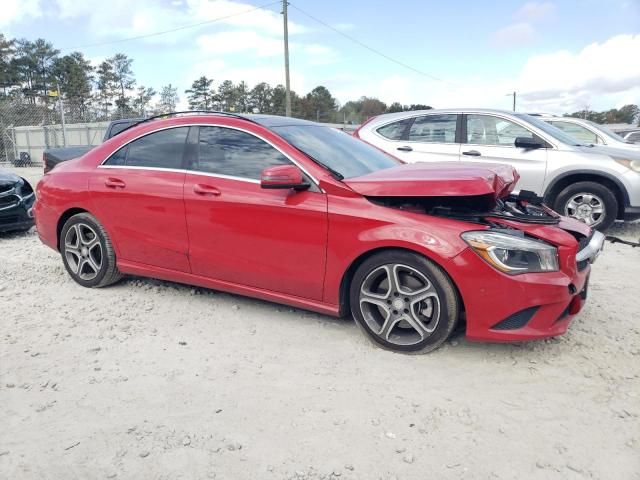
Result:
pixel 138 194
pixel 491 139
pixel 241 233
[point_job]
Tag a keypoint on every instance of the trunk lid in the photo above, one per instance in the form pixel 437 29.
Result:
pixel 437 180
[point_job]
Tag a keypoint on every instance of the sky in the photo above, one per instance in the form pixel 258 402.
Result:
pixel 559 56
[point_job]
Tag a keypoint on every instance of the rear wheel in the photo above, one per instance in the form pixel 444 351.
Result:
pixel 589 202
pixel 404 302
pixel 87 253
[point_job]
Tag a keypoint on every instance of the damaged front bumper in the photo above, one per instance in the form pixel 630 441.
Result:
pixel 506 308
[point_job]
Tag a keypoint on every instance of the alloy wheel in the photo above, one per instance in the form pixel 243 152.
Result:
pixel 83 251
pixel 399 304
pixel 586 207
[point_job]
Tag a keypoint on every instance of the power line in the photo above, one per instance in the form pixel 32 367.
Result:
pixel 163 32
pixel 371 49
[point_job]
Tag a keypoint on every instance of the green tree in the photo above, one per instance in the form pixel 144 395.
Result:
pixel 168 99
pixel 200 95
pixel 123 79
pixel 261 97
pixel 227 96
pixel 417 106
pixel 33 66
pixel 142 100
pixel 74 73
pixel 372 107
pixel 319 105
pixel 395 107
pixel 105 86
pixel 243 96
pixel 8 77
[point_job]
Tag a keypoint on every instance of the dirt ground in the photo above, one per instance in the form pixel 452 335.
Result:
pixel 151 379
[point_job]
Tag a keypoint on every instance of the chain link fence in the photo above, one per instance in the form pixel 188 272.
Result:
pixel 28 129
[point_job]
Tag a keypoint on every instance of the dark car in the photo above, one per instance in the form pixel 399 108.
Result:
pixel 16 202
pixel 53 156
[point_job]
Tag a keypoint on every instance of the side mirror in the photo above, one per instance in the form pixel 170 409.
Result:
pixel 283 176
pixel 529 143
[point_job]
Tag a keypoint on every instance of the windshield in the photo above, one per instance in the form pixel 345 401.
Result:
pixel 606 131
pixel 554 132
pixel 337 150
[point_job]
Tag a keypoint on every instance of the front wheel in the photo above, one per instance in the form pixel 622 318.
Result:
pixel 589 202
pixel 87 252
pixel 404 302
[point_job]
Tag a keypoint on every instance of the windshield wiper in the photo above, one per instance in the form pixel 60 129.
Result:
pixel 334 173
pixel 337 175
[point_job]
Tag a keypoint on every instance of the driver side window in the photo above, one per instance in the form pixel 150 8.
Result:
pixel 488 130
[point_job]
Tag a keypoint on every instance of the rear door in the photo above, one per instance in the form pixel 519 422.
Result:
pixel 430 138
pixel 138 195
pixel 247 235
pixel 491 139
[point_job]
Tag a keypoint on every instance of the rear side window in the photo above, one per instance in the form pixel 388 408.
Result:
pixel 226 151
pixel 395 130
pixel 163 149
pixel 434 129
pixel 577 131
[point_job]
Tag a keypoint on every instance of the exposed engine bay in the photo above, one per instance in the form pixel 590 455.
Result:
pixel 525 207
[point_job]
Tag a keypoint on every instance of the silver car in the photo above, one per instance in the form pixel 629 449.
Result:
pixel 596 184
pixel 589 132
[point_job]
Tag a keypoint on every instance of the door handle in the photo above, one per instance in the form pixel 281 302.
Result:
pixel 202 189
pixel 406 148
pixel 472 153
pixel 114 183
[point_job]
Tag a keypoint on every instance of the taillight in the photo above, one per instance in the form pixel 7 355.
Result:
pixel 44 163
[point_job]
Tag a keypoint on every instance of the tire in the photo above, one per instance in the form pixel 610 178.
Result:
pixel 573 196
pixel 87 252
pixel 407 322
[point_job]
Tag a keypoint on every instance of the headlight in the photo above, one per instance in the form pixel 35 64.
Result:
pixel 632 164
pixel 511 254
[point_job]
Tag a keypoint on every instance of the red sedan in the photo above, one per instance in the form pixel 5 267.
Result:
pixel 297 213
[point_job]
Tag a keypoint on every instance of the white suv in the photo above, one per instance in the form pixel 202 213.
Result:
pixel 596 184
pixel 588 132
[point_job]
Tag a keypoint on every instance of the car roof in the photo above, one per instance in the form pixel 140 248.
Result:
pixel 278 121
pixel 387 117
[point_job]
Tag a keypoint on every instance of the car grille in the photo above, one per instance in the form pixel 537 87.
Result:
pixel 5 188
pixel 9 201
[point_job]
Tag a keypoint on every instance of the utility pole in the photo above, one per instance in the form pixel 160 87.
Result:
pixel 287 98
pixel 514 99
pixel 64 127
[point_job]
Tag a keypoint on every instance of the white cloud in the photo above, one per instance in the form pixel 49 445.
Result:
pixel 522 30
pixel 586 77
pixel 12 11
pixel 535 11
pixel 516 34
pixel 599 76
pixel 125 18
pixel 232 42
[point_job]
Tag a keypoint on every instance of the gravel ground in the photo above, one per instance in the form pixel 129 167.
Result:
pixel 151 379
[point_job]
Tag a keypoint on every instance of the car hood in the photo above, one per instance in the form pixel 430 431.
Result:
pixel 437 180
pixel 8 178
pixel 628 153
